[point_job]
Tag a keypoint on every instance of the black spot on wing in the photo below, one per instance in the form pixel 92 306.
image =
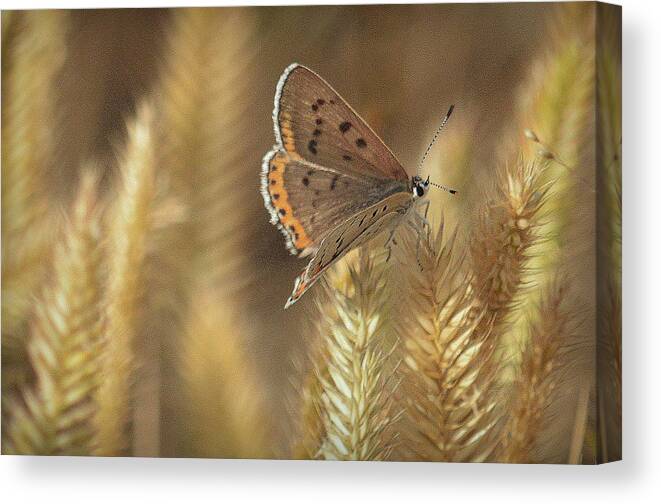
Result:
pixel 312 146
pixel 316 132
pixel 282 212
pixel 345 126
pixel 346 157
pixel 275 196
pixel 319 121
pixel 315 107
pixel 306 181
pixel 361 143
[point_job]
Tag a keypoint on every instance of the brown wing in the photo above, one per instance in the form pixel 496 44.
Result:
pixel 356 231
pixel 314 122
pixel 307 201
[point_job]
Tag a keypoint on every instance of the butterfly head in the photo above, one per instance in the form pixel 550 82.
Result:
pixel 419 186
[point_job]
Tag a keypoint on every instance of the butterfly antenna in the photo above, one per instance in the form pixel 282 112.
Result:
pixel 433 140
pixel 451 191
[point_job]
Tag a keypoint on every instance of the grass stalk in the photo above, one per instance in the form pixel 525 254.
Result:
pixel 449 376
pixel 354 402
pixel 55 417
pixel 33 53
pixel 538 376
pixel 129 223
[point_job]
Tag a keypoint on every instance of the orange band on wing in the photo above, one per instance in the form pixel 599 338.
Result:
pixel 286 133
pixel 280 201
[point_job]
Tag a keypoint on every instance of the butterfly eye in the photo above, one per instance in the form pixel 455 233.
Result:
pixel 419 191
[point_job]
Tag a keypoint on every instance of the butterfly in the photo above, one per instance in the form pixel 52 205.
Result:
pixel 329 183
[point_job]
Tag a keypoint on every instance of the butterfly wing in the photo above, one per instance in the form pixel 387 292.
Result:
pixel 354 232
pixel 307 200
pixel 313 122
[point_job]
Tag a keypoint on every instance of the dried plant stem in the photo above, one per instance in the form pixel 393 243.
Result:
pixel 538 376
pixel 55 417
pixel 450 373
pixel 34 54
pixel 355 399
pixel 129 224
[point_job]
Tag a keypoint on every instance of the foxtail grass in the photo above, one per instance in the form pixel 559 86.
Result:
pixel 32 54
pixel 206 133
pixel 555 123
pixel 55 417
pixel 450 371
pixel 351 410
pixel 129 224
pixel 559 107
pixel 544 358
pixel 204 99
pixel 503 237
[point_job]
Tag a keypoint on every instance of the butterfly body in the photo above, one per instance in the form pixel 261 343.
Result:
pixel 329 183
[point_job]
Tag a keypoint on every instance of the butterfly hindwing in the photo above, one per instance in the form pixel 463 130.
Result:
pixel 313 122
pixel 307 201
pixel 356 231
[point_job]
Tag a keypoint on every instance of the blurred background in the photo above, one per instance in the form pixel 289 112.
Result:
pixel 192 276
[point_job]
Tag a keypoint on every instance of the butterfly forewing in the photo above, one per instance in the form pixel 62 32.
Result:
pixel 314 122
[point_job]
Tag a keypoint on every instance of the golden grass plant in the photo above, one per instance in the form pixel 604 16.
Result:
pixel 223 410
pixel 538 376
pixel 207 136
pixel 507 227
pixel 56 415
pixel 555 122
pixel 152 334
pixel 31 40
pixel 450 373
pixel 129 225
pixel 350 410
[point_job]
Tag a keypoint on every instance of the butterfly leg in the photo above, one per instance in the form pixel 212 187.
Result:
pixel 418 232
pixel 424 223
pixel 426 203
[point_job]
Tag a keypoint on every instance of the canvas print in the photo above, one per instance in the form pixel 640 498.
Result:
pixel 368 232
